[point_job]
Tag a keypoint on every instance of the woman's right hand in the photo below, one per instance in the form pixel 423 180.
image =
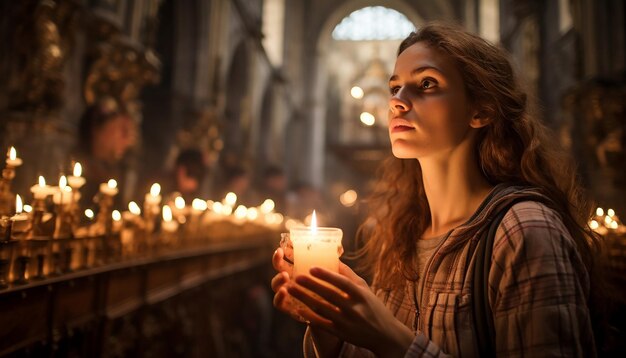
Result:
pixel 282 299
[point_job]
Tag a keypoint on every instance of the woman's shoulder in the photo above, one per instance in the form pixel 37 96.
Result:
pixel 532 224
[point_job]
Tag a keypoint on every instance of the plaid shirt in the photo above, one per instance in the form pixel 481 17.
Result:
pixel 538 288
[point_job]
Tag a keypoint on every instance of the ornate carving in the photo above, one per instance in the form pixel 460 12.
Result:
pixel 41 44
pixel 118 68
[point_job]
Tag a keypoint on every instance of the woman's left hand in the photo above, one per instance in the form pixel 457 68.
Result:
pixel 351 311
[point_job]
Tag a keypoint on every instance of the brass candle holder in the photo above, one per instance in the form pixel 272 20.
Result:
pixel 7 198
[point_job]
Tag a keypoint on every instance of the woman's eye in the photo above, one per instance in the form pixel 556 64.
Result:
pixel 394 90
pixel 428 83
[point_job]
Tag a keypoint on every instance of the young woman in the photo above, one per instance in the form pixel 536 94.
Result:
pixel 465 148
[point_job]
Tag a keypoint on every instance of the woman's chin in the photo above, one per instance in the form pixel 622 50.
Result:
pixel 404 152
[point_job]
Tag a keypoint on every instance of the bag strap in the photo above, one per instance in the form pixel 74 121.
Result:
pixel 483 317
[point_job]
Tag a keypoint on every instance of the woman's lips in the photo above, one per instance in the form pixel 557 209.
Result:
pixel 401 128
pixel 400 125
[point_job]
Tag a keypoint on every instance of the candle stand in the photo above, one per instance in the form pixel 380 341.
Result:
pixel 7 198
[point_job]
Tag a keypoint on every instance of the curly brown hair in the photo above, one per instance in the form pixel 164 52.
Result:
pixel 513 148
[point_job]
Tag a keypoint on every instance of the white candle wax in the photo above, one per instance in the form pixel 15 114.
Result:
pixel 76 182
pixel 12 159
pixel 109 188
pixel 315 247
pixel 63 196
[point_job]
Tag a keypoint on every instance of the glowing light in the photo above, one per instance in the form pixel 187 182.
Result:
pixel 357 92
pixel 231 199
pixel 42 181
pixel 227 210
pixel 613 225
pixel 253 214
pixel 241 212
pixel 134 208
pixel 12 153
pixel 89 214
pixel 62 182
pixel 18 204
pixel 199 204
pixel 217 207
pixel 610 212
pixel 599 211
pixel 167 213
pixel 313 222
pixel 607 220
pixel 28 208
pixel 78 169
pixel 267 206
pixel 367 118
pixel 155 189
pixel 112 183
pixel 348 198
pixel 116 215
pixel 594 225
pixel 179 203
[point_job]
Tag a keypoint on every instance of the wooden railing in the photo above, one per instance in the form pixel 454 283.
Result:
pixel 188 302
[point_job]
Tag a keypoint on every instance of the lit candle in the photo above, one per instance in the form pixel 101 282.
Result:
pixel 76 181
pixel 133 212
pixel 20 219
pixel 153 198
pixel 117 220
pixel 41 190
pixel 198 206
pixel 267 206
pixel 168 225
pixel 89 214
pixel 63 196
pixel 315 246
pixel 109 188
pixel 12 159
pixel 230 199
pixel 179 208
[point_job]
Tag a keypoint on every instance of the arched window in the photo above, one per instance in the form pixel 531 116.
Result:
pixel 373 23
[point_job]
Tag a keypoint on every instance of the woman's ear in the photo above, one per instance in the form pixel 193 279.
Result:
pixel 480 118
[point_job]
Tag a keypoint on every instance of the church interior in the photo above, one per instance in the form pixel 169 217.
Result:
pixel 157 150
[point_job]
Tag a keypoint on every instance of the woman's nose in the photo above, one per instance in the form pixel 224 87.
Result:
pixel 399 104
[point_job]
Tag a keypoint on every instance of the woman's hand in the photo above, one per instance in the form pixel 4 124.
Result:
pixel 346 307
pixel 282 299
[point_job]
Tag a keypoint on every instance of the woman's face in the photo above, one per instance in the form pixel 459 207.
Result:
pixel 114 138
pixel 429 112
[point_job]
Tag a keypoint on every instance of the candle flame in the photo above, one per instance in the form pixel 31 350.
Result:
pixel 18 204
pixel 241 212
pixel 253 214
pixel 89 214
pixel 179 203
pixel 62 182
pixel 116 215
pixel 42 181
pixel 12 153
pixel 313 222
pixel 112 183
pixel 599 211
pixel 134 208
pixel 231 199
pixel 155 189
pixel 610 212
pixel 167 213
pixel 613 225
pixel 267 206
pixel 594 225
pixel 78 169
pixel 217 207
pixel 199 204
pixel 28 208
